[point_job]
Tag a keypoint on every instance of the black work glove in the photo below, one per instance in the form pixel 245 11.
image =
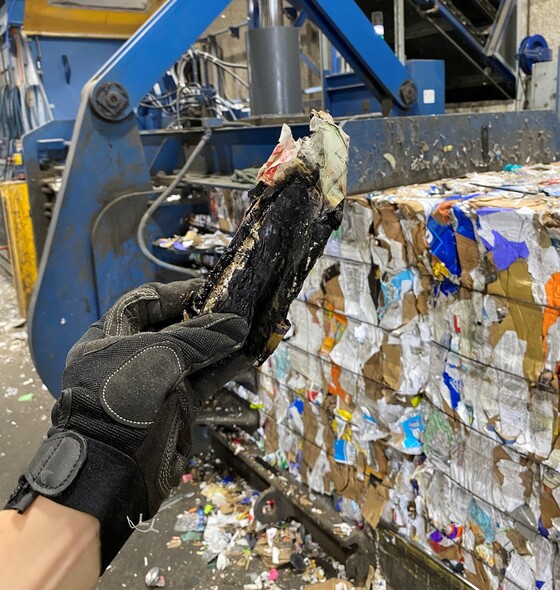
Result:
pixel 121 429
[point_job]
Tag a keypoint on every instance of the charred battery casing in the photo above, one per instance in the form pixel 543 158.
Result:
pixel 263 269
pixel 293 213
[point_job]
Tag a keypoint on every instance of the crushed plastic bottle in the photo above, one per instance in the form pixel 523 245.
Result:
pixel 349 509
pixel 187 521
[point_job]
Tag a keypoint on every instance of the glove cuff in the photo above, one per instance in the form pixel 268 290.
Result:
pixel 89 476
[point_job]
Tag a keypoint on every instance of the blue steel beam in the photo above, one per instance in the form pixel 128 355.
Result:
pixel 301 18
pixel 307 61
pixel 155 47
pixel 349 30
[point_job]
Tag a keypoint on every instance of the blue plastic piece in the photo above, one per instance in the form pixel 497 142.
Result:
pixel 444 245
pixel 483 520
pixel 393 289
pixel 464 224
pixel 412 428
pixel 533 49
pixel 454 388
pixel 298 405
pixel 543 531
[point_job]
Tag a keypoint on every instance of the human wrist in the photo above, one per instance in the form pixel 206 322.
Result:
pixel 107 485
pixel 62 543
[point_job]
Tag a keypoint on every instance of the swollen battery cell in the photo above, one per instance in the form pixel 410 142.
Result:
pixel 296 205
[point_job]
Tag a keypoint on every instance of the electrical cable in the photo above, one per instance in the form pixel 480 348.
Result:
pixel 191 56
pixel 160 200
pixel 214 59
pixel 23 102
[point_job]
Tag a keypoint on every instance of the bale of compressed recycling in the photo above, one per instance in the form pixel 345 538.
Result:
pixel 420 386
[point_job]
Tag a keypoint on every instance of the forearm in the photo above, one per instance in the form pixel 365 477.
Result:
pixel 49 547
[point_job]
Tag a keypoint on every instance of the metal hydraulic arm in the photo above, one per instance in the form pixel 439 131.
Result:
pixel 105 161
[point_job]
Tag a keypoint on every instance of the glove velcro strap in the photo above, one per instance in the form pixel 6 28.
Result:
pixel 90 476
pixel 57 463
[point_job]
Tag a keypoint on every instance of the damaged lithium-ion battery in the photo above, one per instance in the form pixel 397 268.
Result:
pixel 296 205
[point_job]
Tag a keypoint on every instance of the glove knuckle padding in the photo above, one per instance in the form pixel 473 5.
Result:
pixel 148 306
pixel 117 323
pixel 134 392
pixel 206 339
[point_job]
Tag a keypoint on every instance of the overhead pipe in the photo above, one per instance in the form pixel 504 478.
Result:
pixel 271 13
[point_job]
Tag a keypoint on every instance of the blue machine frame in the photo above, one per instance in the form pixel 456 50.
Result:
pixel 91 255
pixel 67 64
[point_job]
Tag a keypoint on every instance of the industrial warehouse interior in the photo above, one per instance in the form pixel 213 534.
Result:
pixel 280 292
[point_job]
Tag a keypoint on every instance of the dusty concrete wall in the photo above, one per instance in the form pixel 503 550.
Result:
pixel 544 18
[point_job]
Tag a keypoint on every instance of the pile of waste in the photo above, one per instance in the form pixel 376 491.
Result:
pixel 419 382
pixel 221 527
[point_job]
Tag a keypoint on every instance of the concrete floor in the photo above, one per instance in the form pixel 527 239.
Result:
pixel 24 422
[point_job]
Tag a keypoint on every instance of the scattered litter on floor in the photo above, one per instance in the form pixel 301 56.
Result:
pixel 215 521
pixel 154 579
pixel 10 391
pixel 335 584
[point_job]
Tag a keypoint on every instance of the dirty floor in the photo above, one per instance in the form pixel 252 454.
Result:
pixel 25 406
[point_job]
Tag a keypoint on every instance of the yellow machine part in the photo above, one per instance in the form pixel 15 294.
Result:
pixel 47 17
pixel 21 245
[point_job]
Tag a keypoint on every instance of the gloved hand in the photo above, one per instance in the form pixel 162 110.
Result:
pixel 121 429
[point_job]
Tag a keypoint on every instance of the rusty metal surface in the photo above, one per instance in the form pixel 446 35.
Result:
pixel 386 153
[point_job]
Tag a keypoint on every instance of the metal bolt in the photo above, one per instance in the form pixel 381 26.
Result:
pixel 408 92
pixel 111 101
